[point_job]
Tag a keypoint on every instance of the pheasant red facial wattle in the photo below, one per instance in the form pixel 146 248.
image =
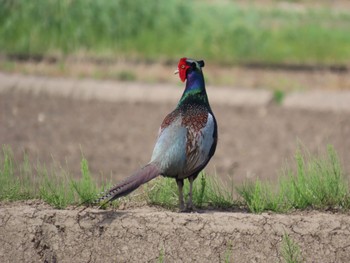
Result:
pixel 182 68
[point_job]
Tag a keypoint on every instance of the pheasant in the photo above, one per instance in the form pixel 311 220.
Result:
pixel 186 141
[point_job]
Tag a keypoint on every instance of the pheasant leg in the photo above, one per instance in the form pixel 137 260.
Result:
pixel 180 184
pixel 189 205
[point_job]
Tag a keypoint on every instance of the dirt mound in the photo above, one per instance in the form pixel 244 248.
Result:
pixel 35 232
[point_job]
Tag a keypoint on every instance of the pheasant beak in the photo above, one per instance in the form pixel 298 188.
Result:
pixel 176 72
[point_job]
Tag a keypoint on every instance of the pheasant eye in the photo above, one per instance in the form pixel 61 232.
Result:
pixel 182 66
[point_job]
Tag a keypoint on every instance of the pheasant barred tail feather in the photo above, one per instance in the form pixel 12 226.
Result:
pixel 130 184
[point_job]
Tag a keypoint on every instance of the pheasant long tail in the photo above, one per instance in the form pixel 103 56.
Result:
pixel 130 184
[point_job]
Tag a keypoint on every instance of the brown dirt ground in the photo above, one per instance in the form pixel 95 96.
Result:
pixel 34 232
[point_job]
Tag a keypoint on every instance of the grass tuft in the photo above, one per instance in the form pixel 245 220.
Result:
pixel 290 250
pixel 85 188
pixel 208 191
pixel 54 188
pixel 54 185
pixel 278 96
pixel 317 183
pixel 12 186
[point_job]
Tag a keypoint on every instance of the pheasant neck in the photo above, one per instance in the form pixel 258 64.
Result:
pixel 195 88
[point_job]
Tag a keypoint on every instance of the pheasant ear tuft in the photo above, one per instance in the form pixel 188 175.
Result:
pixel 201 63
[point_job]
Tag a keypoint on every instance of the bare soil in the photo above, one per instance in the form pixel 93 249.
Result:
pixel 34 232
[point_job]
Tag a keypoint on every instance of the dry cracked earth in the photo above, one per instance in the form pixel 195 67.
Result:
pixel 117 138
pixel 34 232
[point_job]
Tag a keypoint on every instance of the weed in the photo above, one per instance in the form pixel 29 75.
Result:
pixel 54 185
pixel 161 255
pixel 85 187
pixel 290 250
pixel 12 186
pixel 278 96
pixel 228 253
pixel 318 183
pixel 255 196
pixel 54 188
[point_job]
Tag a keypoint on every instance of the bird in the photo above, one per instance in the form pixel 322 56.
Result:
pixel 187 140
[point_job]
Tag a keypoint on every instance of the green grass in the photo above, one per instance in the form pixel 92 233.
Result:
pixel 317 183
pixel 157 30
pixel 278 96
pixel 55 186
pixel 290 250
pixel 208 192
pixel 13 187
pixel 228 255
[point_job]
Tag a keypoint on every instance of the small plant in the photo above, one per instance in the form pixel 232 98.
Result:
pixel 161 255
pixel 278 96
pixel 290 250
pixel 255 196
pixel 228 253
pixel 14 186
pixel 54 188
pixel 85 187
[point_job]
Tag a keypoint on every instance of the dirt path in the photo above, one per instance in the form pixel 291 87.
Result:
pixel 37 233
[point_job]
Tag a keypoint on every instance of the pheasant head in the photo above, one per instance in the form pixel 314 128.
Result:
pixel 187 65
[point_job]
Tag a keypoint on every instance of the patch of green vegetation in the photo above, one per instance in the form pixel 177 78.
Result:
pixel 155 30
pixel 161 255
pixel 290 250
pixel 228 253
pixel 86 188
pixel 208 191
pixel 278 96
pixel 318 183
pixel 55 186
pixel 12 186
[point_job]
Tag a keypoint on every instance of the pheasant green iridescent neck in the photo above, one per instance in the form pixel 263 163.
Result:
pixel 195 88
